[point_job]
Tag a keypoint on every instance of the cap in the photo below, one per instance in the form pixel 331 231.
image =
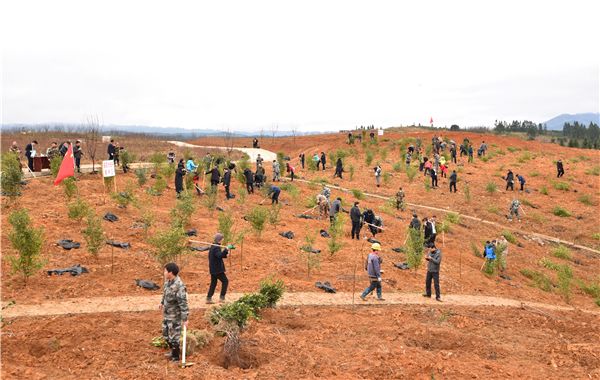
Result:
pixel 376 247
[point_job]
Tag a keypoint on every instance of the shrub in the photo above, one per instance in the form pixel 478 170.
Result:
pixel 274 218
pixel 125 198
pixel 70 187
pixel 544 190
pixel 387 177
pixel 453 217
pixel 311 202
pixel 27 240
pixel 475 250
pixel 291 189
pixel 241 195
pixel 559 211
pixel 586 199
pixel 509 236
pixel 368 157
pixel 565 277
pixel 182 213
pixel 383 154
pixel 596 235
pixel 512 149
pixel 257 218
pixel 272 289
pixel 561 186
pixel 592 289
pixel 141 176
pixel 414 248
pixel 549 264
pixel 493 209
pixel 593 171
pixel 389 207
pixel 55 165
pixel 351 171
pixel 12 175
pixel 540 279
pixel 168 245
pixel 562 252
pixel 312 165
pixel 93 234
pixel 78 209
pixel 157 160
pixel 491 187
pixel 358 194
pixel 126 158
pixel 159 186
pixel 225 226
pixel 236 313
pixel 336 230
pixel 411 173
pixel 524 157
pixel 167 171
pixel 210 199
pixel 534 173
pixel 256 301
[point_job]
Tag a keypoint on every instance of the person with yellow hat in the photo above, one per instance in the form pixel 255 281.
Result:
pixel 373 267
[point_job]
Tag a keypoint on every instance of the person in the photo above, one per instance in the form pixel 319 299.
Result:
pixel 323 160
pixel 400 200
pixel 179 173
pixel 453 153
pixel 259 161
pixel 287 167
pixel 514 210
pixel 428 166
pixel 255 143
pixel 14 148
pixel 292 172
pixel 52 151
pixel 483 148
pixel 78 153
pixel 259 176
pixel 372 136
pixel 276 170
pixel 350 138
pixel 215 176
pixel 470 150
pixel 249 178
pixel 124 165
pixel 302 158
pixel 216 267
pixel 190 165
pixel 175 308
pixel 64 147
pixel 207 160
pixel 560 171
pixel 377 170
pixel 323 204
pixel 415 223
pixel 427 231
pixel 432 221
pixel 489 253
pixel 453 179
pixel 227 182
pixel 339 168
pixel 196 180
pixel 117 154
pixel 521 181
pixel 407 161
pixel 502 248
pixel 30 153
pixel 171 157
pixel 111 150
pixel 336 206
pixel 355 218
pixel 274 192
pixel 510 180
pixel 326 192
pixel 434 178
pixel 434 259
pixel 373 268
pixel 369 218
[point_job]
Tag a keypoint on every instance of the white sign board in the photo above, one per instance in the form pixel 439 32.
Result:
pixel 105 139
pixel 108 168
pixel 380 132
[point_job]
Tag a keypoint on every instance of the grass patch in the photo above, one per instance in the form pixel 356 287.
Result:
pixel 549 264
pixel 586 199
pixel 562 252
pixel 491 187
pixel 562 212
pixel 561 186
pixel 493 209
pixel 475 250
pixel 513 149
pixel 358 194
pixel 453 217
pixel 539 218
pixel 596 236
pixel 509 236
pixel 544 190
pixel 593 171
pixel 534 173
pixel 539 279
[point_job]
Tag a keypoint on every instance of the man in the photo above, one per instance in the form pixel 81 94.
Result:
pixel 427 231
pixel 339 168
pixel 292 172
pixel 30 153
pixel 400 200
pixel 514 210
pixel 274 191
pixel 259 176
pixel 207 161
pixel 373 267
pixel 227 183
pixel 350 138
pixel 323 205
pixel 453 153
pixel 502 248
pixel 14 148
pixel 323 160
pixel 175 308
pixel 432 221
pixel 434 259
pixel 302 157
pixel 510 180
pixel 255 143
pixel 489 253
pixel 249 178
pixel 369 218
pixel 336 206
pixel 559 169
pixel 111 150
pixel 190 165
pixel 470 150
pixel 171 158
pixel 276 170
pixel 483 148
pixel 77 153
pixel 179 173
pixel 64 147
pixel 326 192
pixel 407 161
pixel 521 181
pixel 117 153
pixel 415 223
pixel 259 161
pixel 453 178
pixel 434 178
pixel 355 217
pixel 52 151
pixel 377 170
pixel 215 176
pixel 216 267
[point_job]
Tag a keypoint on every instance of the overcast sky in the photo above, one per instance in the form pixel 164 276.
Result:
pixel 313 65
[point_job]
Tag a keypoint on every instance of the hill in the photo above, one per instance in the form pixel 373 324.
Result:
pixel 557 123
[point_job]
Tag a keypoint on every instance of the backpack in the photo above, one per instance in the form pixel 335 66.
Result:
pixel 489 252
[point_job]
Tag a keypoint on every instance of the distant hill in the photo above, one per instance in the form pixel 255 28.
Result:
pixel 557 123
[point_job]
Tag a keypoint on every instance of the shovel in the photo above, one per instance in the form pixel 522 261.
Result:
pixel 183 363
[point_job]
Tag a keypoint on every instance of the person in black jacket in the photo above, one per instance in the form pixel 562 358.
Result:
pixel 111 150
pixel 78 153
pixel 339 168
pixel 302 157
pixel 369 217
pixel 415 223
pixel 227 183
pixel 29 149
pixel 355 217
pixel 510 180
pixel 427 230
pixel 323 159
pixel 453 178
pixel 560 171
pixel 249 177
pixel 215 176
pixel 216 267
pixel 434 178
pixel 179 173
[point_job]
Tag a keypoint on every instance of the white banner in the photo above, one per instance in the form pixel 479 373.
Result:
pixel 380 132
pixel 108 168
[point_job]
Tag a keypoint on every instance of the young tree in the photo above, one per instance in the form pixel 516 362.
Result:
pixel 92 138
pixel 168 245
pixel 12 175
pixel 27 240
pixel 93 233
pixel 414 251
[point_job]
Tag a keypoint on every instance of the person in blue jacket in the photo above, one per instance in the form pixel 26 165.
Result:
pixel 190 166
pixel 521 181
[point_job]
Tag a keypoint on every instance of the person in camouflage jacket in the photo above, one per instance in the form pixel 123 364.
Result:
pixel 175 309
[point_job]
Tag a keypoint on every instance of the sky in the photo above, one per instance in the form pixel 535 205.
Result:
pixel 305 65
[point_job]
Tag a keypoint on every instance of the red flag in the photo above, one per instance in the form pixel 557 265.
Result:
pixel 431 120
pixel 67 166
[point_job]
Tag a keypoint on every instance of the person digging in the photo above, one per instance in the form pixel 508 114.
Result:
pixel 175 309
pixel 216 267
pixel 373 267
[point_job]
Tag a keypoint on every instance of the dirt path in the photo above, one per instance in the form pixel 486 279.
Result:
pixel 251 152
pixel 196 301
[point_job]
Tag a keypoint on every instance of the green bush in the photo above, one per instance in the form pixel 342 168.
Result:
pixel 334 244
pixel 491 187
pixel 351 172
pixel 397 167
pixel 524 157
pixel 512 149
pixel 586 199
pixel 241 195
pixel 534 173
pixel 311 202
pixel 312 164
pixel 55 165
pixel 592 289
pixel 125 198
pixel 549 264
pixel 411 173
pixel 565 278
pixel 475 250
pixel 258 217
pixel 70 187
pixel 210 199
pixel 291 189
pixel 562 252
pixel 358 194
pixel 141 176
pixel 27 240
pixel 157 159
pixel 272 289
pixel 387 177
pixel 559 211
pixel 158 187
pixel 256 301
pixel 93 234
pixel 368 157
pixel 78 209
pixel 126 158
pixel 274 218
pixel 453 217
pixel 225 226
pixel 414 248
pixel 593 171
pixel 561 186
pixel 12 175
pixel 540 279
pixel 509 236
pixel 596 235
pixel 383 153
pixel 182 213
pixel 544 190
pixel 235 312
pixel 168 245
